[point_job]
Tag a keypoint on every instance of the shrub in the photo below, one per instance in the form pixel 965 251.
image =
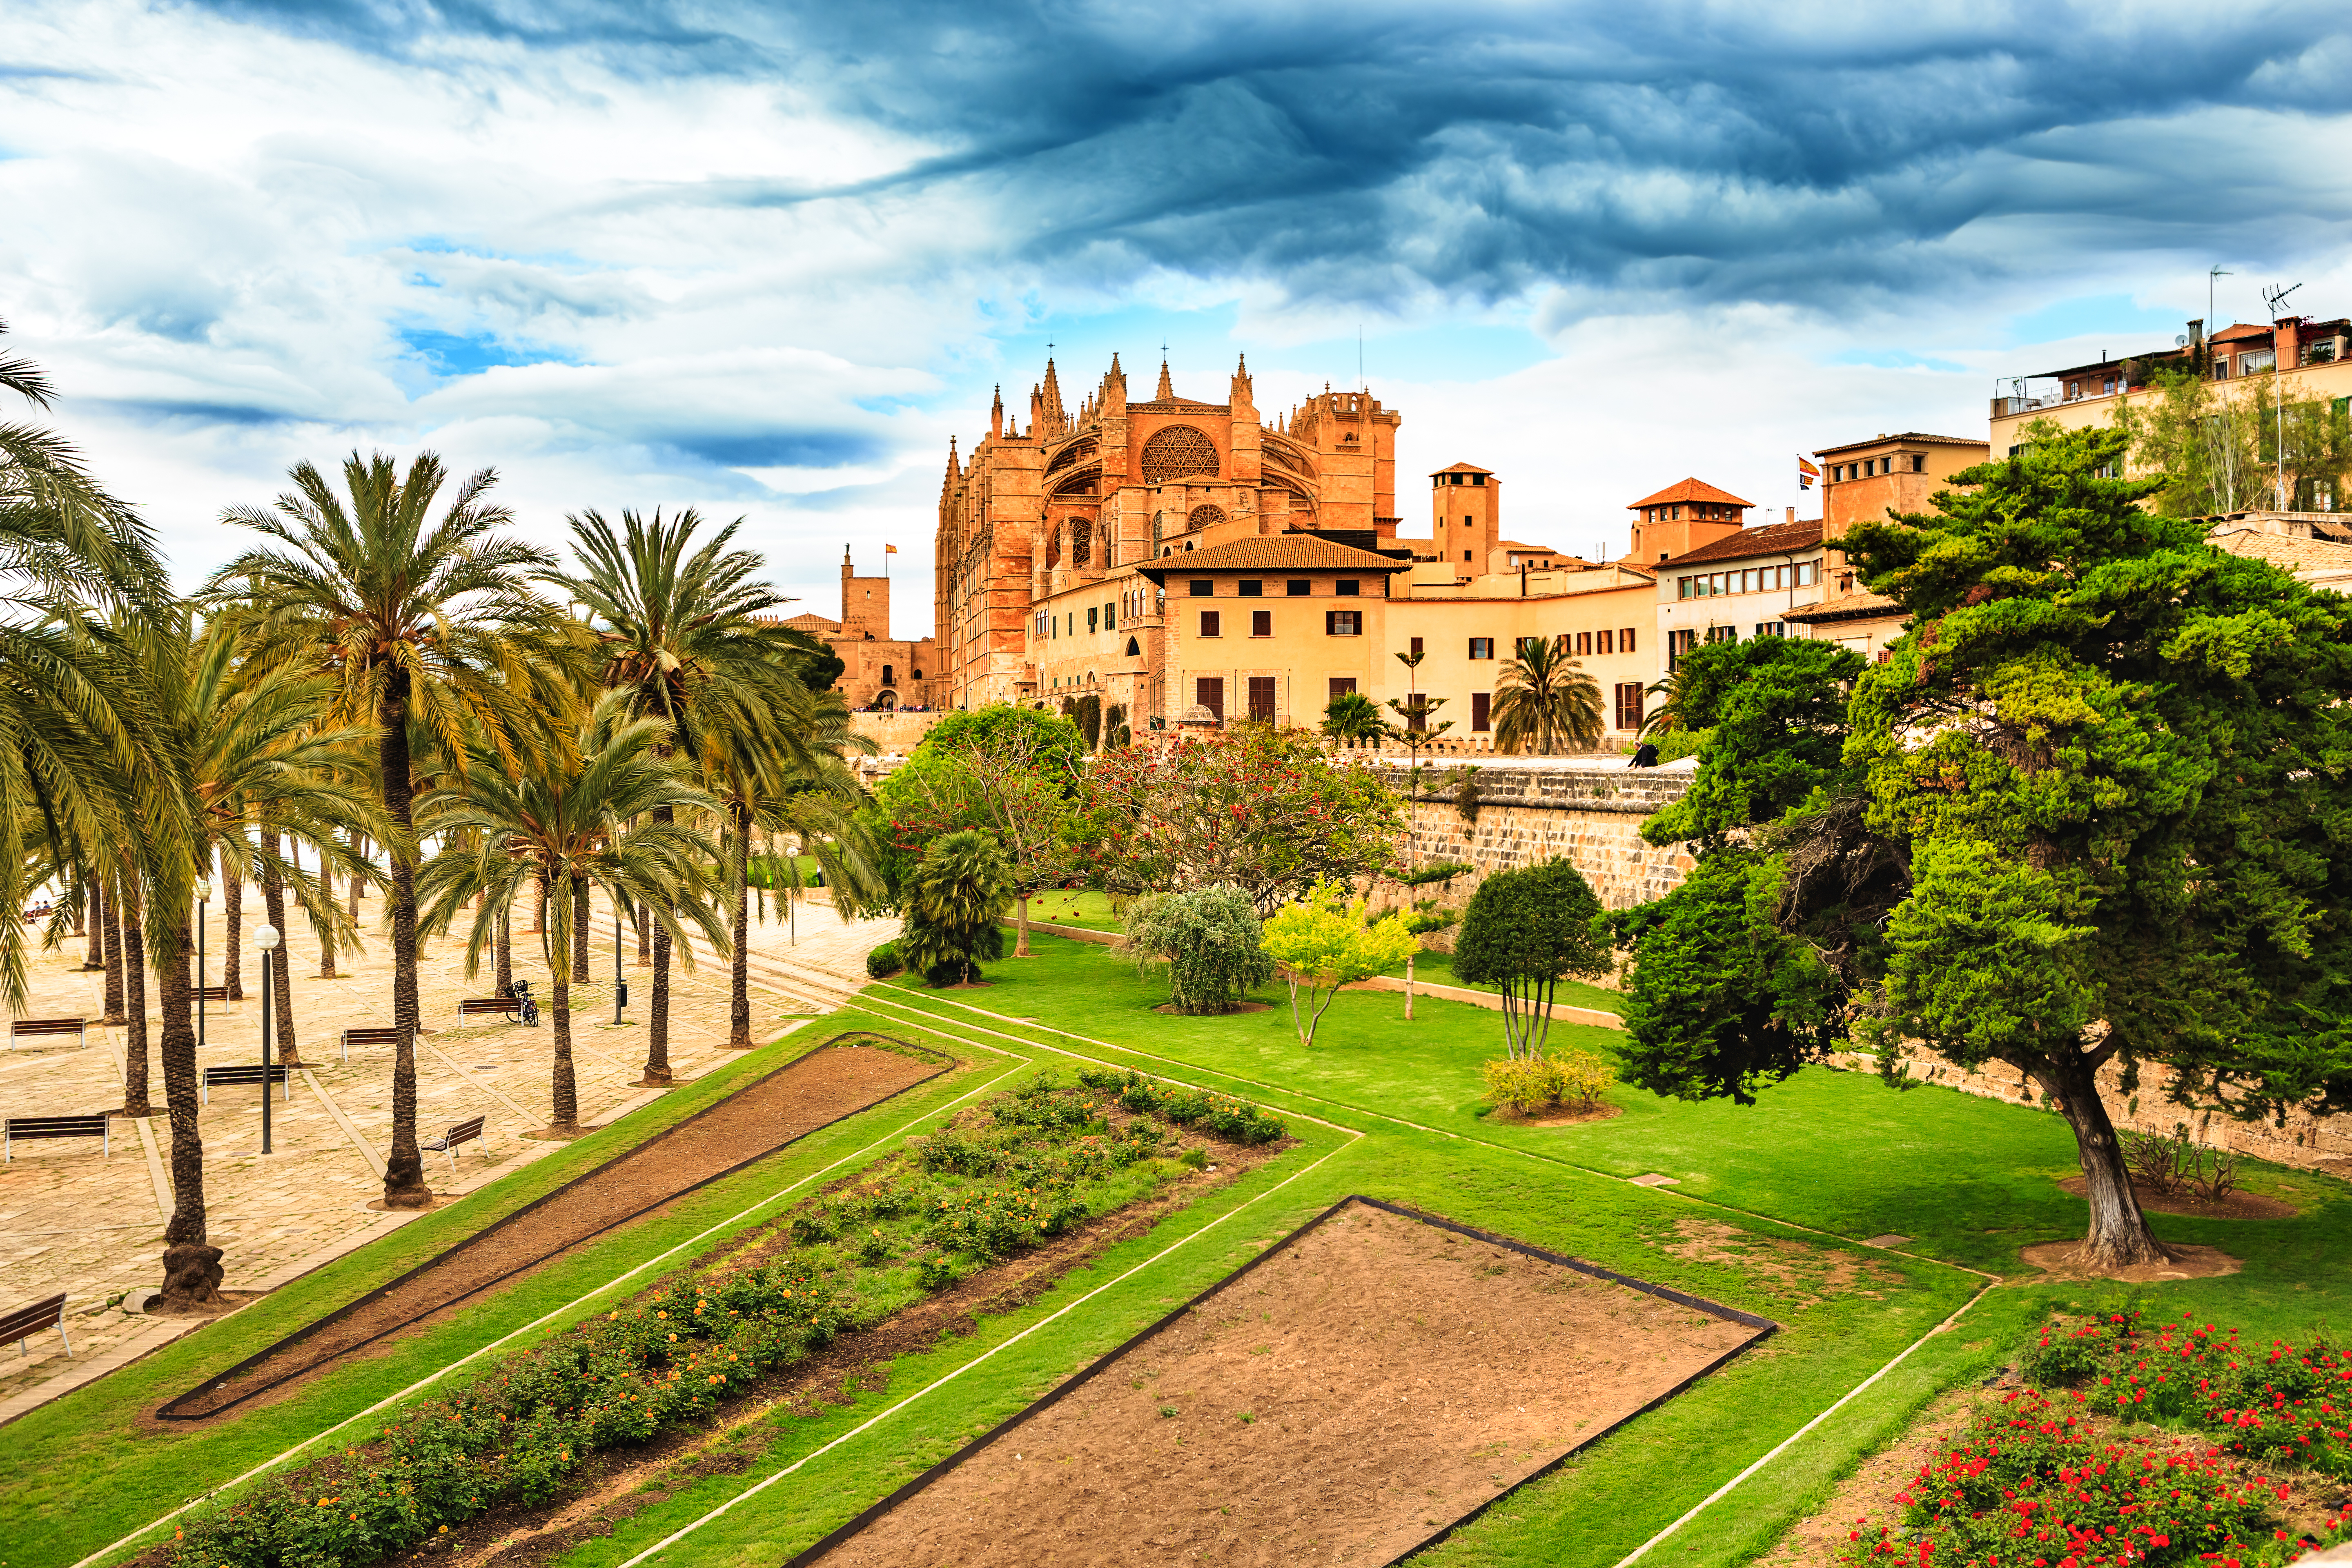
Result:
pixel 883 961
pixel 1208 939
pixel 1228 1118
pixel 1323 943
pixel 1528 1084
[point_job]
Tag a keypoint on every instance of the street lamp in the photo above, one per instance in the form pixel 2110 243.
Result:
pixel 265 939
pixel 620 984
pixel 203 896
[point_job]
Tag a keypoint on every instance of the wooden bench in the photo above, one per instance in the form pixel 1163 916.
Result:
pixel 77 1028
pixel 27 1129
pixel 480 1007
pixel 467 1131
pixel 374 1036
pixel 209 993
pixel 248 1072
pixel 22 1324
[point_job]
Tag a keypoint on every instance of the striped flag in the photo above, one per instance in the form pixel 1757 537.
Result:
pixel 1807 475
pixel 889 550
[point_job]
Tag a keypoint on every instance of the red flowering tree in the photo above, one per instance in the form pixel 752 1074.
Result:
pixel 1258 808
pixel 1015 785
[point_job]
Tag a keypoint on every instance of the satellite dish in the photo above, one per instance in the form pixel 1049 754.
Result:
pixel 2181 340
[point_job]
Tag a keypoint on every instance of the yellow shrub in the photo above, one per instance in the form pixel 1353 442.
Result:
pixel 1528 1087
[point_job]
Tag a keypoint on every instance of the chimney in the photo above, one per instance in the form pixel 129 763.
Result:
pixel 1792 514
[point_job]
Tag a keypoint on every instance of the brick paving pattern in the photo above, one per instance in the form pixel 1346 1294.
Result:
pixel 91 1226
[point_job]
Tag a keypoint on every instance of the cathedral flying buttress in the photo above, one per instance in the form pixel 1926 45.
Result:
pixel 1069 501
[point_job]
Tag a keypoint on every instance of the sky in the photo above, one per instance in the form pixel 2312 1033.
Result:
pixel 764 260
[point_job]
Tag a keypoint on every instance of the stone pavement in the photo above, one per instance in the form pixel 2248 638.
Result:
pixel 91 1226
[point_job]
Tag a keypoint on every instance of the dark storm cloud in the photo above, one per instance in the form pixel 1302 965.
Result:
pixel 1731 152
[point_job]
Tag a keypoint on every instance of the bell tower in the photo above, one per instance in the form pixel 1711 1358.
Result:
pixel 865 603
pixel 1465 508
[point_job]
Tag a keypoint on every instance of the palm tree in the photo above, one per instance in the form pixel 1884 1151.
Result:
pixel 787 777
pixel 1545 696
pixel 554 827
pixel 1352 716
pixel 961 890
pixel 1666 717
pixel 418 622
pixel 683 636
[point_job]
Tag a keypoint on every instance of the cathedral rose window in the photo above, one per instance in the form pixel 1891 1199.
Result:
pixel 1202 516
pixel 1177 451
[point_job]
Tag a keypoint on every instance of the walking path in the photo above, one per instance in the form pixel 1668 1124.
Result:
pixel 91 1226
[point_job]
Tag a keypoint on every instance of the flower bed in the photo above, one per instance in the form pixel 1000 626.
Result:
pixel 997 1181
pixel 2140 1443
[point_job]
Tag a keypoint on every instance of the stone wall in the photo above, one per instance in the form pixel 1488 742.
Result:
pixel 2302 1140
pixel 1588 811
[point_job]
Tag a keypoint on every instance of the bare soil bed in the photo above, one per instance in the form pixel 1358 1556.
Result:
pixel 796 1099
pixel 1365 1386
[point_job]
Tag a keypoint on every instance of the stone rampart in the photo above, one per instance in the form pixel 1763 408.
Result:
pixel 1588 811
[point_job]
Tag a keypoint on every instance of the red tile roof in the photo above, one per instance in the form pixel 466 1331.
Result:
pixel 1690 490
pixel 2232 333
pixel 1272 552
pixel 1921 437
pixel 1462 469
pixel 1776 539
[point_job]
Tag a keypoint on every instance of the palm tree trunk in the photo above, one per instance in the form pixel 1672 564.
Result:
pixel 739 999
pixel 96 922
pixel 192 1270
pixel 580 933
pixel 566 1090
pixel 404 1175
pixel 232 911
pixel 505 947
pixel 359 847
pixel 113 959
pixel 645 935
pixel 134 1044
pixel 281 973
pixel 326 933
pixel 657 1014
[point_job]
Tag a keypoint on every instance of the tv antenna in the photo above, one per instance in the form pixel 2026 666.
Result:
pixel 2210 276
pixel 2273 297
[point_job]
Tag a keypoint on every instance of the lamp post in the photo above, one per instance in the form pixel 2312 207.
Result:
pixel 203 896
pixel 265 939
pixel 620 984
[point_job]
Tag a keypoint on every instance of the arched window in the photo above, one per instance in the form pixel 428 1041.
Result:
pixel 1176 452
pixel 1134 649
pixel 1202 516
pixel 886 678
pixel 1082 540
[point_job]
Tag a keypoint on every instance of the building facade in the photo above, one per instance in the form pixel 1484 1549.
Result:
pixel 879 672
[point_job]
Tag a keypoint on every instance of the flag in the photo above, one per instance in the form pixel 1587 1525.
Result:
pixel 1806 473
pixel 889 550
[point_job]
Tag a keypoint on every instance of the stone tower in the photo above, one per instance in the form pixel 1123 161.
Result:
pixel 1466 516
pixel 865 603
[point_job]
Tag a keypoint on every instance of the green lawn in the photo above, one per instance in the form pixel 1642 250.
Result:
pixel 1970 1180
pixel 1087 908
pixel 1437 969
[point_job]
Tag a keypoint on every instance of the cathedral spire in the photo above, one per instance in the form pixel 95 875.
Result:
pixel 1167 388
pixel 1057 418
pixel 996 415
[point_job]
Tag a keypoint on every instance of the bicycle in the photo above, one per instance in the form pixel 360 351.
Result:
pixel 529 1012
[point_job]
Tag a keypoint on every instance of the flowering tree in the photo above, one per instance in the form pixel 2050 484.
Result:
pixel 1323 944
pixel 1257 809
pixel 1016 780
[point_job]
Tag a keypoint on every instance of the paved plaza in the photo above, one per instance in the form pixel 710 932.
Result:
pixel 90 1225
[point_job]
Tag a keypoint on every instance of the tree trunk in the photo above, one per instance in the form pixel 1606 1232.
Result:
pixel 359 847
pixel 645 935
pixel 506 948
pixel 134 1044
pixel 566 1092
pixel 1021 930
pixel 1408 989
pixel 579 932
pixel 96 922
pixel 403 1176
pixel 2119 1237
pixel 326 933
pixel 113 959
pixel 738 998
pixel 281 973
pixel 192 1271
pixel 232 912
pixel 657 1012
